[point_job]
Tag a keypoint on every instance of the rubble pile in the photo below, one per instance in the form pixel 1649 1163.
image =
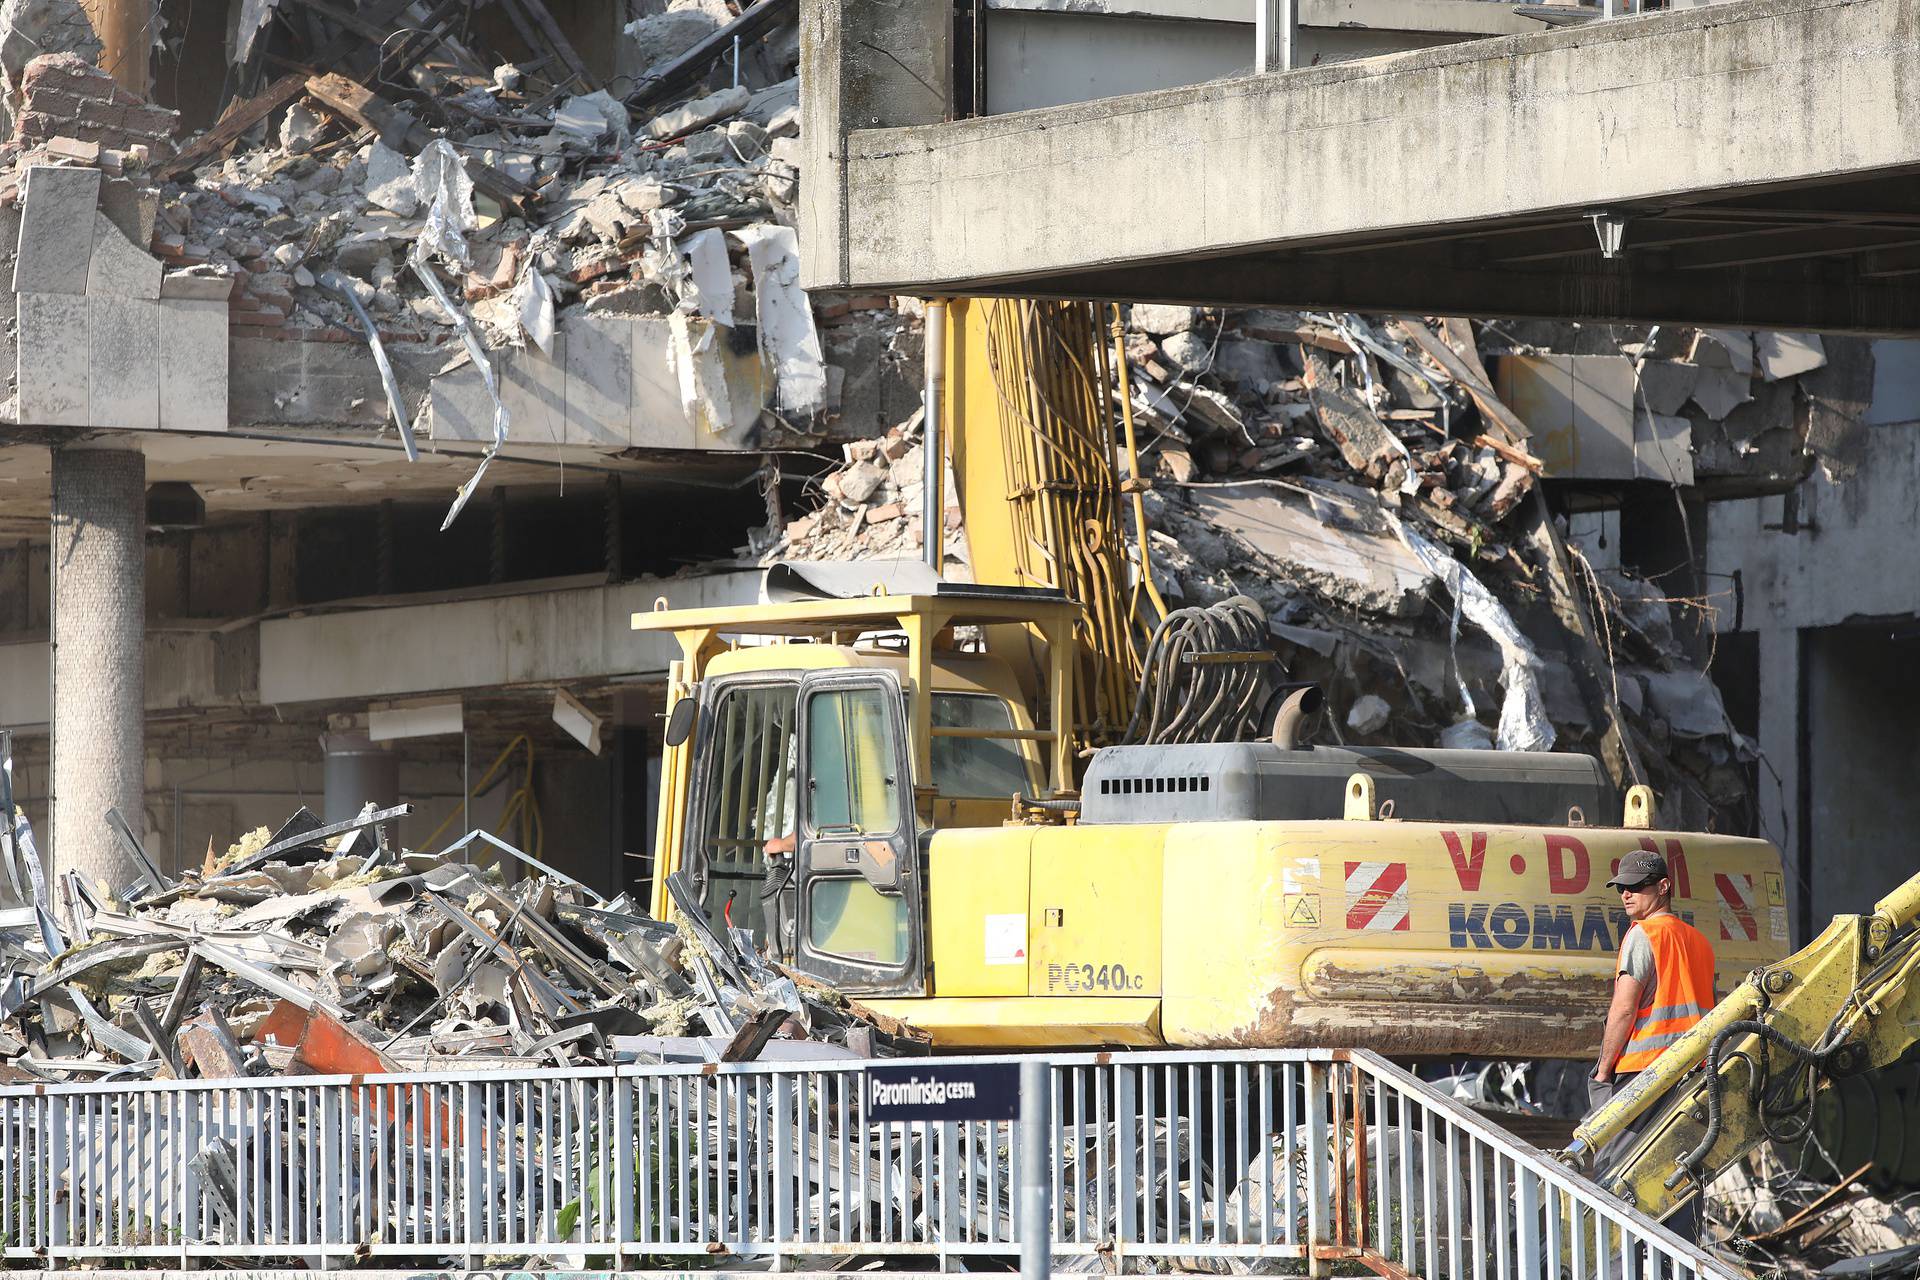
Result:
pixel 1363 479
pixel 316 948
pixel 1768 1216
pixel 431 189
pixel 873 503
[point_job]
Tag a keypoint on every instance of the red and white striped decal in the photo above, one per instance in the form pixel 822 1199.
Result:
pixel 1739 917
pixel 1377 896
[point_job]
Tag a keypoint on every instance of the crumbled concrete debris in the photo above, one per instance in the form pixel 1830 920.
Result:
pixel 1280 453
pixel 424 959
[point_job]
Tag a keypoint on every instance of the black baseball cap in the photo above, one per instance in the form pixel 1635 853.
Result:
pixel 1641 867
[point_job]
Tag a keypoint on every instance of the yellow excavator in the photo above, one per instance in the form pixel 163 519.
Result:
pixel 939 797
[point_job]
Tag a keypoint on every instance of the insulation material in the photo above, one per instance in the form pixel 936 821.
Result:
pixel 710 278
pixel 441 183
pixel 1523 716
pixel 788 339
pixel 701 375
pixel 441 178
pixel 534 306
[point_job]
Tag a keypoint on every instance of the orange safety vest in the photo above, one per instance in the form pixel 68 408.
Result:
pixel 1683 984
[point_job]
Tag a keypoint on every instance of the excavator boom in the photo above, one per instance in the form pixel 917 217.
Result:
pixel 1748 1071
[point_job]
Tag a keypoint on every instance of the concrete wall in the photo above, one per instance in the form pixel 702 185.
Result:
pixel 480 644
pixel 1823 577
pixel 1862 807
pixel 1827 552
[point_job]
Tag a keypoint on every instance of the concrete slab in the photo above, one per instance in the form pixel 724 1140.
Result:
pixel 186 284
pixel 534 389
pixel 1319 186
pixel 1663 448
pixel 657 420
pixel 119 268
pixel 1786 355
pixel 1336 556
pixel 1665 385
pixel 193 365
pixel 478 644
pixel 460 408
pixel 123 374
pixel 598 361
pixel 55 201
pixel 53 359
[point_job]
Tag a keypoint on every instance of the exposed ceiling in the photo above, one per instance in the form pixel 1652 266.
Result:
pixel 241 473
pixel 1836 256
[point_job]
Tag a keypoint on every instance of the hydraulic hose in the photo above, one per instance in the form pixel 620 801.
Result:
pixel 1181 700
pixel 1692 1163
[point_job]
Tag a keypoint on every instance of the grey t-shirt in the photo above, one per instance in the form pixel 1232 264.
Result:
pixel 1636 961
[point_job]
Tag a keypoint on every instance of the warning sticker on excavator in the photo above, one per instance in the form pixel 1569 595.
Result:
pixel 1776 890
pixel 1377 897
pixel 1739 921
pixel 1299 885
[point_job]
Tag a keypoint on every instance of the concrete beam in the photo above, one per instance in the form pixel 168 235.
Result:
pixel 535 638
pixel 1647 113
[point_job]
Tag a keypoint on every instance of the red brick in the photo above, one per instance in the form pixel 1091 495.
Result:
pixel 150 121
pixel 265 316
pixel 53 103
pixel 592 270
pixel 103 114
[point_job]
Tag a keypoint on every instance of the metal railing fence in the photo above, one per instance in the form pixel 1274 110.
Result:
pixel 1295 1160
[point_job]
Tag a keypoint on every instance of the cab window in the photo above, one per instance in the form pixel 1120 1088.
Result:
pixel 853 789
pixel 976 768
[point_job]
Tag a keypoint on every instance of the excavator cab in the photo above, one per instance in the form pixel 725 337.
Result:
pixel 813 746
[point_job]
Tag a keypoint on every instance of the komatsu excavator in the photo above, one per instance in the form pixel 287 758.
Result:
pixel 927 795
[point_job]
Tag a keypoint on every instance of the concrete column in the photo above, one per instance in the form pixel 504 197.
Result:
pixel 358 770
pixel 1779 790
pixel 864 64
pixel 98 631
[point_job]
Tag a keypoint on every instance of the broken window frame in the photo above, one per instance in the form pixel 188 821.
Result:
pixel 713 784
pixel 886 863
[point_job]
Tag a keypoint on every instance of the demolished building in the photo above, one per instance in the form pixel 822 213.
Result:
pixel 572 295
pixel 411 248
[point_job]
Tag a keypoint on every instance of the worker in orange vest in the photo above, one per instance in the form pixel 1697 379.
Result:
pixel 1662 985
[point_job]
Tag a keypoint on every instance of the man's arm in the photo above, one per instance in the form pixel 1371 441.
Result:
pixel 1620 1015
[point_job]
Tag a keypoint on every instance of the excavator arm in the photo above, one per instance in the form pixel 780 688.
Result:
pixel 1747 1072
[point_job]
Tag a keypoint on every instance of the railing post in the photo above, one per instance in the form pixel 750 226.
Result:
pixel 1033 1222
pixel 625 1184
pixel 1530 1263
pixel 332 1179
pixel 1276 29
pixel 472 1176
pixel 59 1167
pixel 1319 1157
pixel 785 1135
pixel 1126 1123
